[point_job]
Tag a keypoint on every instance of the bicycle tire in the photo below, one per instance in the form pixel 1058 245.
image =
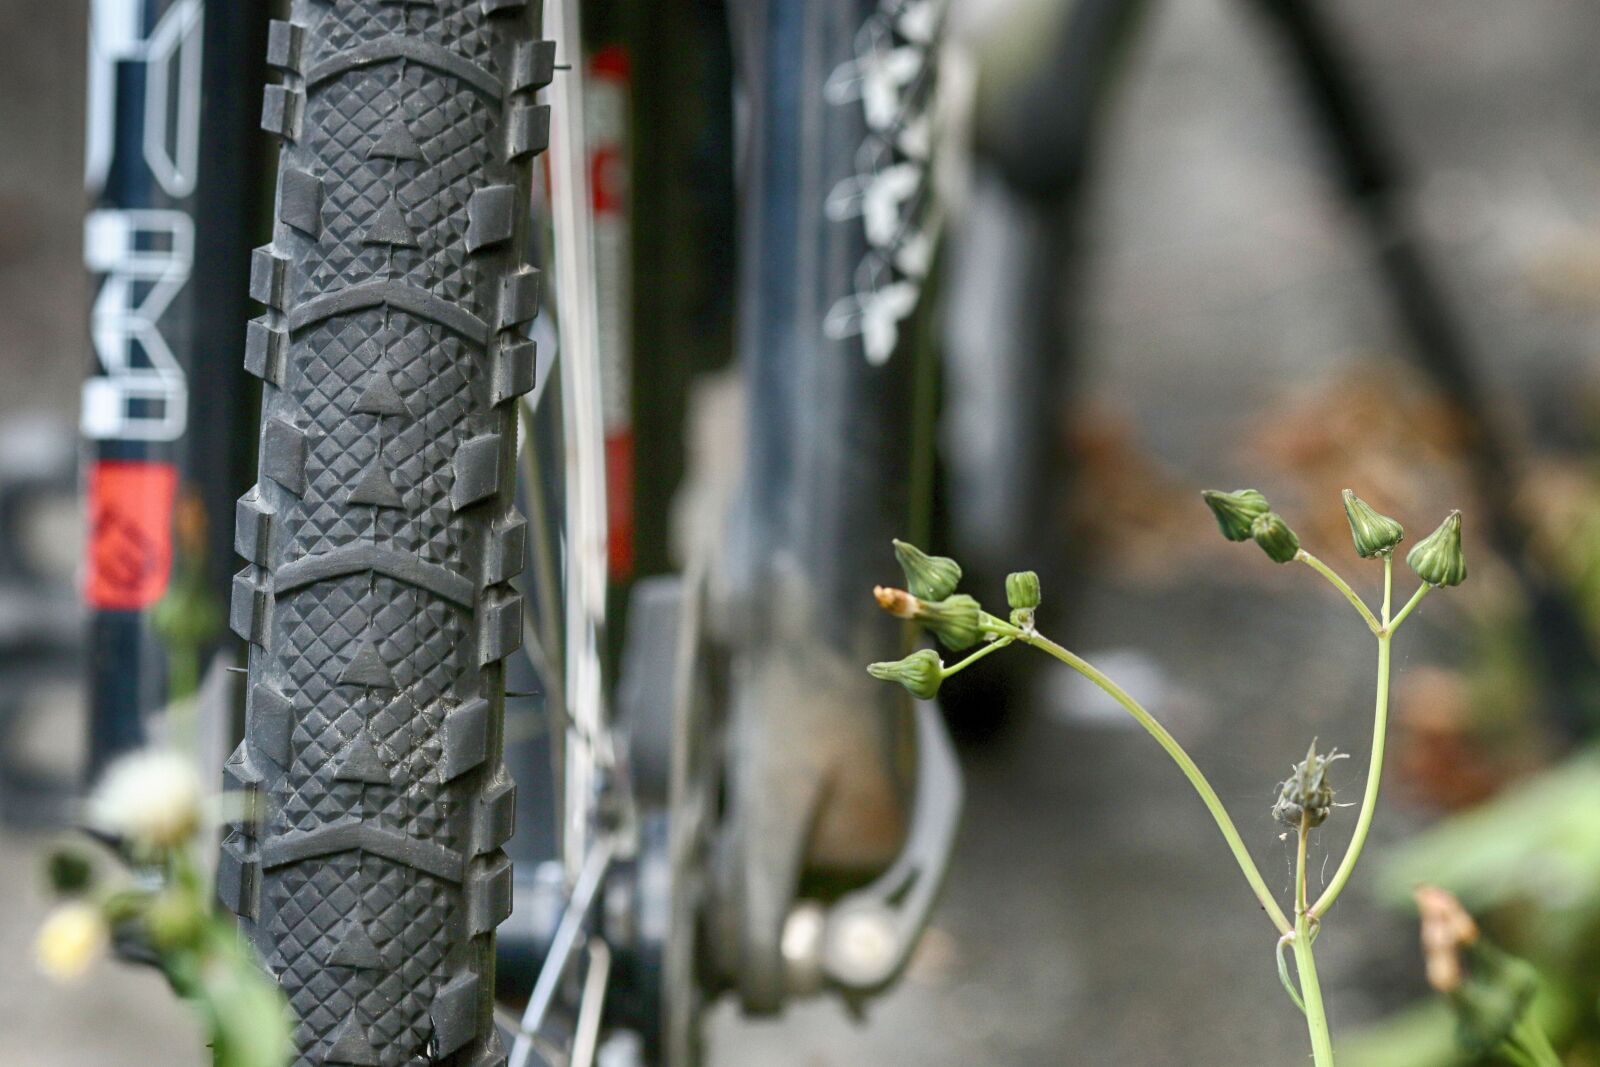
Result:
pixel 381 534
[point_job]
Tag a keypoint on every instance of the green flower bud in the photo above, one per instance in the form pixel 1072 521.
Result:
pixel 1235 511
pixel 927 577
pixel 1437 558
pixel 1022 590
pixel 1274 536
pixel 174 919
pixel 953 620
pixel 1306 793
pixel 921 672
pixel 1373 533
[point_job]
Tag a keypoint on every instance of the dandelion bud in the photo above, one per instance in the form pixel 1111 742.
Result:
pixel 1306 793
pixel 1373 533
pixel 1235 511
pixel 953 620
pixel 921 672
pixel 1022 590
pixel 174 919
pixel 1437 558
pixel 928 577
pixel 1275 538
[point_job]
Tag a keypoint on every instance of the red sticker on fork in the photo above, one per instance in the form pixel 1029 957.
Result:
pixel 130 533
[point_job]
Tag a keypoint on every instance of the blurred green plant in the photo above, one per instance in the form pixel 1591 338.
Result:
pixel 1306 798
pixel 1528 862
pixel 187 618
pixel 154 907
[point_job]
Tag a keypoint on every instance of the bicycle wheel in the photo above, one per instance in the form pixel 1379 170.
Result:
pixel 381 533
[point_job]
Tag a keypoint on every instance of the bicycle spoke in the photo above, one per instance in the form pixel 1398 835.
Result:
pixel 586 1041
pixel 573 918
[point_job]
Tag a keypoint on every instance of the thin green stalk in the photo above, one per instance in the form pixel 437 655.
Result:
pixel 1283 972
pixel 1340 584
pixel 992 646
pixel 1306 963
pixel 1300 871
pixel 1416 598
pixel 1516 1057
pixel 1380 731
pixel 1369 800
pixel 1154 728
pixel 1529 1039
pixel 1388 585
pixel 1311 991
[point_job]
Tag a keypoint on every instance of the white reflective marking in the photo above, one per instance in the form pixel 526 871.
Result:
pixel 147 257
pixel 895 53
pixel 177 40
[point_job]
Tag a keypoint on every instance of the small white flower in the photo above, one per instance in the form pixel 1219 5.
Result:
pixel 72 938
pixel 150 798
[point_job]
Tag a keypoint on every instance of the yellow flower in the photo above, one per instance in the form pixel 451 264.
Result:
pixel 72 938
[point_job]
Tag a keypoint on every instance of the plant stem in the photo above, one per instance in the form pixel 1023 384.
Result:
pixel 1416 598
pixel 1340 584
pixel 1311 992
pixel 1300 871
pixel 1380 730
pixel 1306 963
pixel 992 646
pixel 1154 728
pixel 1369 801
pixel 1388 584
pixel 1283 972
pixel 1529 1038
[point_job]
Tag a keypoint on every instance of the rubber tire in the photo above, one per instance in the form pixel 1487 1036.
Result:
pixel 382 533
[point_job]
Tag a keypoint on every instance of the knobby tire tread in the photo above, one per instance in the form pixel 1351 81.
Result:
pixel 366 866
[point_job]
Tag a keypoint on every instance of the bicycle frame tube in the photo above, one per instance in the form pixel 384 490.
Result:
pixel 174 191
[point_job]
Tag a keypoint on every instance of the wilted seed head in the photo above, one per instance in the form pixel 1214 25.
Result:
pixel 1373 533
pixel 1022 590
pixel 1447 930
pixel 1275 538
pixel 1437 558
pixel 897 602
pixel 1235 511
pixel 1306 792
pixel 920 672
pixel 928 577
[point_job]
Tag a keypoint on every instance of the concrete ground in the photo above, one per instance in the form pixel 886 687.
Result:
pixel 1092 917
